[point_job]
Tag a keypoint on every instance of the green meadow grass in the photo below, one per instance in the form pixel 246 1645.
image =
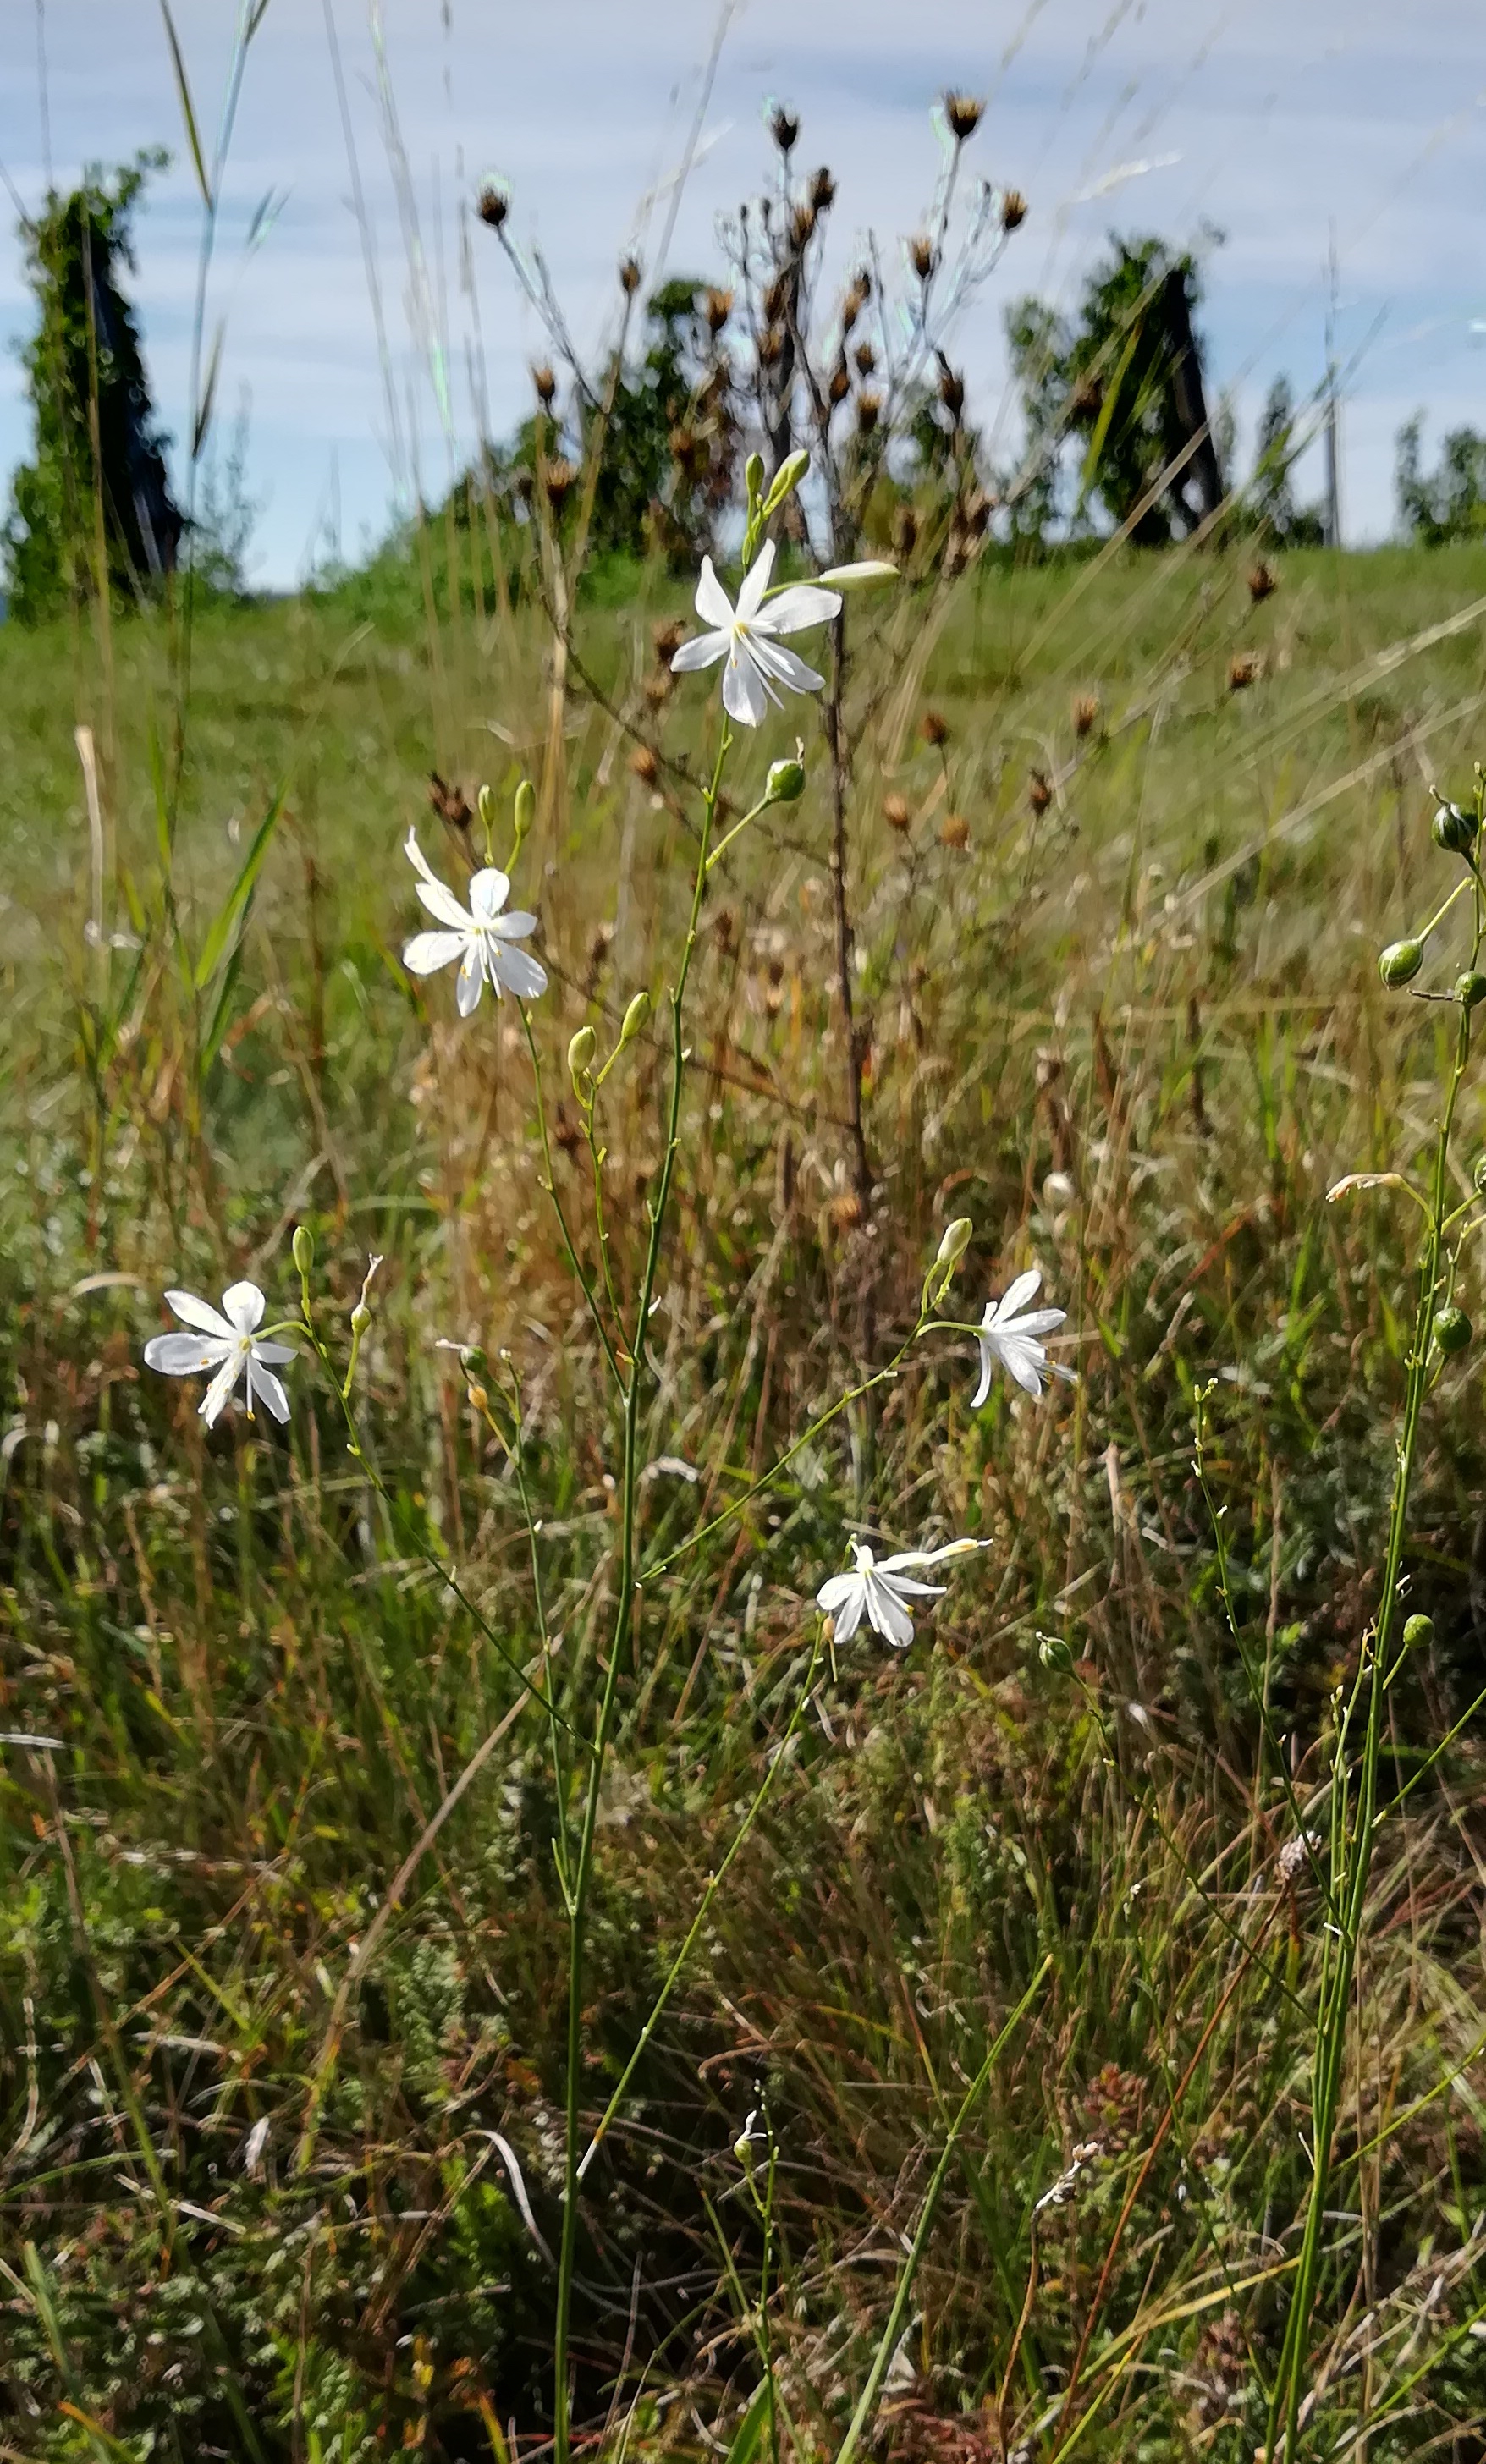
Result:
pixel 271 2104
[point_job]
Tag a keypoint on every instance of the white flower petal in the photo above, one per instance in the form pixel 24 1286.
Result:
pixel 489 891
pixel 184 1356
pixel 754 583
pixel 444 905
pixel 987 1372
pixel 221 1387
pixel 904 1587
pixel 469 980
pixel 887 1612
pixel 1043 1321
pixel 517 969
pixel 262 1381
pixel 845 1620
pixel 782 667
pixel 931 1556
pixel 193 1311
pixel 1017 1294
pixel 427 952
pixel 1026 1362
pixel 703 650
pixel 804 604
pixel 277 1353
pixel 244 1304
pixel 514 927
pixel 744 696
pixel 832 1592
pixel 712 602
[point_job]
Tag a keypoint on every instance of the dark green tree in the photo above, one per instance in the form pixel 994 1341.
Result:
pixel 1124 374
pixel 1449 502
pixel 98 478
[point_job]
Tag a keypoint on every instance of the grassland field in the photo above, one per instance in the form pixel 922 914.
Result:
pixel 280 2110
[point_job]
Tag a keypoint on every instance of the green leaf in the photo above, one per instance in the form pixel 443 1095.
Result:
pixel 207 392
pixel 751 2429
pixel 232 914
pixel 188 110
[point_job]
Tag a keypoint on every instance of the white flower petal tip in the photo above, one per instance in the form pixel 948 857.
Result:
pixel 224 1342
pixel 849 577
pixel 479 939
pixel 746 635
pixel 879 1590
pixel 1011 1338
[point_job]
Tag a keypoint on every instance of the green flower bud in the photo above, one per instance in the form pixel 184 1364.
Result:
pixel 1401 961
pixel 955 1242
pixel 361 1318
pixel 525 814
pixel 1478 1176
pixel 634 1018
pixel 784 784
pixel 303 1247
pixel 1470 988
pixel 1417 1630
pixel 1054 1654
pixel 787 478
pixel 485 807
pixel 1454 829
pixel 580 1053
pixel 753 478
pixel 1453 1330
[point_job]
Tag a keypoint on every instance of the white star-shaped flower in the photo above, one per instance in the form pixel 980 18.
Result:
pixel 226 1341
pixel 478 937
pixel 1011 1335
pixel 745 637
pixel 881 1593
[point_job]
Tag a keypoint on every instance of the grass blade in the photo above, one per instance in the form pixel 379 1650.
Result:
pixel 188 108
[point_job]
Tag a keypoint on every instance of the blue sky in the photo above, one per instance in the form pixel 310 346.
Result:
pixel 1286 118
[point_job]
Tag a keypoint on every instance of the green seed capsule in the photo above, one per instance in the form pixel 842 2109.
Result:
pixel 1470 988
pixel 1454 829
pixel 1417 1630
pixel 1453 1330
pixel 580 1053
pixel 1401 961
pixel 304 1246
pixel 1054 1654
pixel 786 782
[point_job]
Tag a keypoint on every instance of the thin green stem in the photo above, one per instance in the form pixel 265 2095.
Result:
pixel 632 1389
pixel 1352 1845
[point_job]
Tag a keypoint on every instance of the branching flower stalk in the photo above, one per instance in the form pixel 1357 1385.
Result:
pixel 1355 1816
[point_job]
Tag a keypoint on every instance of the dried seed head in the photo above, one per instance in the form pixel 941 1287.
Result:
pixel 1243 669
pixel 853 302
pixel 493 204
pixel 922 255
pixel 934 727
pixel 1039 795
pixel 895 812
pixel 659 685
pixel 954 832
pixel 1262 580
pixel 905 532
pixel 962 111
pixel 1013 208
pixel 840 384
pixel 801 226
pixel 559 479
pixel 629 276
pixel 784 127
pixel 771 347
pixel 869 410
pixel 545 383
pixel 450 804
pixel 845 1211
pixel 823 191
pixel 726 928
pixel 951 390
pixel 773 299
pixel 644 763
pixel 718 308
pixel 977 511
pixel 1086 714
pixel 866 358
pixel 668 637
